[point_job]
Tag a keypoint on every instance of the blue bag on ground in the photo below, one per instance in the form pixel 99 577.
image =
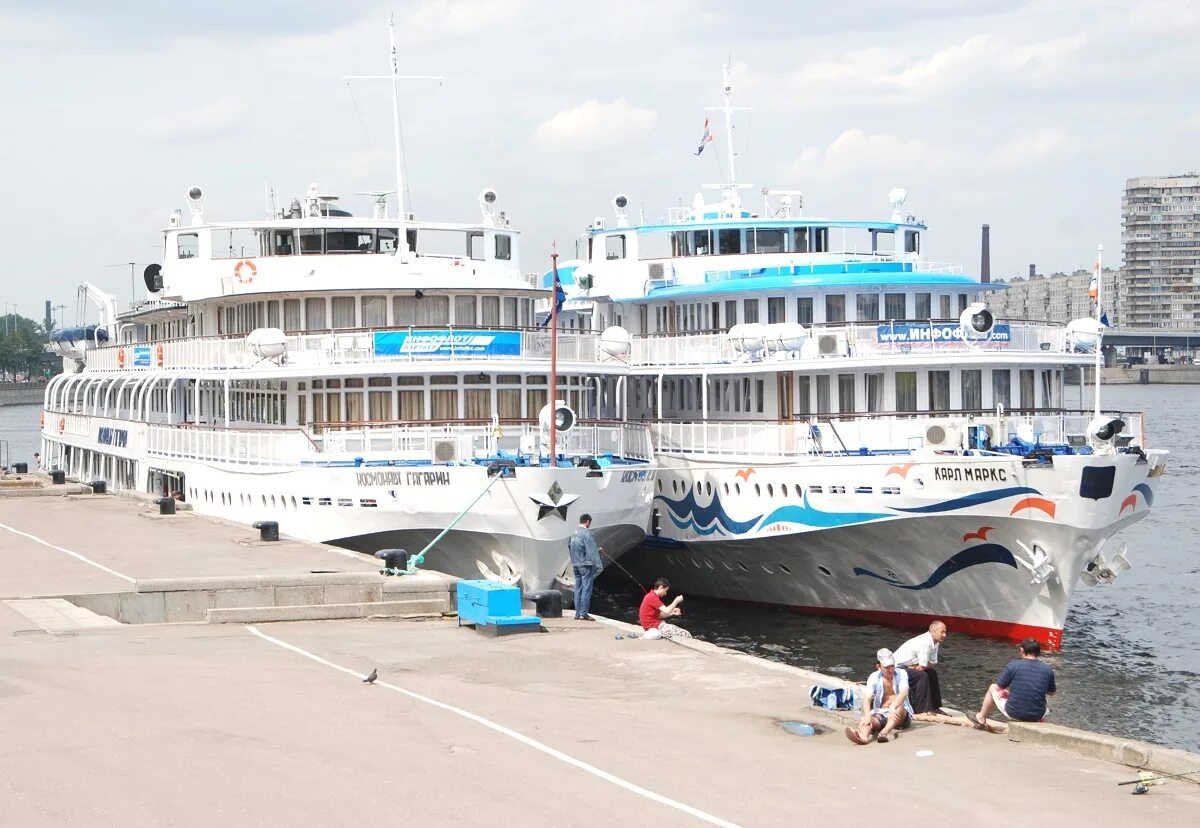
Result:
pixel 834 698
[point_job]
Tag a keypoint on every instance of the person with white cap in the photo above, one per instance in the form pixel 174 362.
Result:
pixel 885 704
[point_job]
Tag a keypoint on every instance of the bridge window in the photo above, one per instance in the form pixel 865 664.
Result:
pixel 799 239
pixel 475 246
pixel 386 241
pixel 188 245
pixel 729 242
pixel 820 239
pixel 283 242
pixel 681 243
pixel 614 247
pixel 349 241
pixel 503 246
pixel 312 241
pixel 702 243
pixel 883 242
pixel 768 240
pixel 912 241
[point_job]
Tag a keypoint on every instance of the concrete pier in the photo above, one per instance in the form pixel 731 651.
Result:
pixel 198 722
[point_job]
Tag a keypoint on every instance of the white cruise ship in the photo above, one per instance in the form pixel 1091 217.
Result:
pixel 370 382
pixel 843 428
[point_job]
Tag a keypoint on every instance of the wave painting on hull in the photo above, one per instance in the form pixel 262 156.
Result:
pixel 970 500
pixel 972 556
pixel 808 515
pixel 686 513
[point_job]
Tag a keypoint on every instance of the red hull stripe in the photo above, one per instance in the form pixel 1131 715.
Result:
pixel 1048 637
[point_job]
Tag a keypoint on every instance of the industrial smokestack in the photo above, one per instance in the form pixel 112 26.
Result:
pixel 985 255
pixel 49 316
pixel 1032 270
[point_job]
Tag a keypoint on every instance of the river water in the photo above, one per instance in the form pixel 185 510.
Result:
pixel 1130 663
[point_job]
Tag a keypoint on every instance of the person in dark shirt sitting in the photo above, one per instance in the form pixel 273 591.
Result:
pixel 1020 690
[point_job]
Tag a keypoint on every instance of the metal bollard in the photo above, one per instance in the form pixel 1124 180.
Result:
pixel 20 468
pixel 58 477
pixel 98 486
pixel 394 560
pixel 166 505
pixel 268 530
pixel 547 602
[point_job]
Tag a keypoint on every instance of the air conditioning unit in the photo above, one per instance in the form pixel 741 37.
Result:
pixel 444 451
pixel 832 345
pixel 656 270
pixel 943 436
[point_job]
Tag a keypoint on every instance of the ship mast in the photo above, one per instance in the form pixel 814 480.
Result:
pixel 728 109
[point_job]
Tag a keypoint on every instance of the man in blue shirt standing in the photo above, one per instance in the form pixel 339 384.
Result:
pixel 585 562
pixel 1020 690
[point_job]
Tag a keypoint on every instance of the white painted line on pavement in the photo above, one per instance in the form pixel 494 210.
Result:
pixel 520 737
pixel 83 558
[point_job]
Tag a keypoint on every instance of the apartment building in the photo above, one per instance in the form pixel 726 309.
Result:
pixel 1160 218
pixel 1059 297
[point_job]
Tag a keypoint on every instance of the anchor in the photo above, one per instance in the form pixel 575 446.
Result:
pixel 504 573
pixel 1038 563
pixel 1100 570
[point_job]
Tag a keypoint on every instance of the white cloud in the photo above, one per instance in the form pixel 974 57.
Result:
pixel 595 125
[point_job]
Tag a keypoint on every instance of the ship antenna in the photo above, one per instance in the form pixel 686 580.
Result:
pixel 728 109
pixel 1099 323
pixel 395 77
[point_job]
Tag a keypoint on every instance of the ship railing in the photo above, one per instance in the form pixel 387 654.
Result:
pixel 442 442
pixel 238 446
pixel 893 432
pixel 349 347
pixel 830 342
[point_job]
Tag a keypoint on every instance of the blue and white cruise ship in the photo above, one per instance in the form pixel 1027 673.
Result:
pixel 843 427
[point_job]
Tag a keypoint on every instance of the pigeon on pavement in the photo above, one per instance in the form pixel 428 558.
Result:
pixel 371 678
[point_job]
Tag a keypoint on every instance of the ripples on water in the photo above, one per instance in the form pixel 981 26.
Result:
pixel 1130 664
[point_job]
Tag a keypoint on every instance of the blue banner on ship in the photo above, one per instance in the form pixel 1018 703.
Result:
pixel 918 334
pixel 448 343
pixel 141 356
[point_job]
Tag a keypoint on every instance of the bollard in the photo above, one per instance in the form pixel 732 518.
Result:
pixel 98 487
pixel 21 468
pixel 58 477
pixel 268 530
pixel 166 505
pixel 547 602
pixel 395 561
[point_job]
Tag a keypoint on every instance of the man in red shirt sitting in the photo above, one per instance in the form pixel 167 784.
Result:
pixel 653 613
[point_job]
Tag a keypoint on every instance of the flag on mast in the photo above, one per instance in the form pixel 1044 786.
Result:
pixel 560 296
pixel 706 138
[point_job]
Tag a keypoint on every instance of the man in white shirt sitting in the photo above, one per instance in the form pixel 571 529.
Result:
pixel 918 657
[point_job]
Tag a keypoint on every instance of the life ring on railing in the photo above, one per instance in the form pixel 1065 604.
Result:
pixel 120 357
pixel 62 424
pixel 41 419
pixel 158 355
pixel 245 271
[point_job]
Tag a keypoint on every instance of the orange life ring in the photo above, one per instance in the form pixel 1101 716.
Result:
pixel 42 419
pixel 62 424
pixel 120 357
pixel 158 355
pixel 245 271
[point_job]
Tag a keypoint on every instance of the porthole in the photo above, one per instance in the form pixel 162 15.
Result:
pixel 659 482
pixel 264 500
pixel 785 568
pixel 757 490
pixel 709 563
pixel 737 488
pixel 743 567
pixel 767 569
pixel 708 489
pixel 272 500
pixel 799 491
pixel 675 487
pixel 293 501
pixel 726 488
pixel 726 565
pixel 696 562
pixel 824 571
pixel 770 490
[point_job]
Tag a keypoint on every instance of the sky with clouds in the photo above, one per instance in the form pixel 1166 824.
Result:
pixel 1027 116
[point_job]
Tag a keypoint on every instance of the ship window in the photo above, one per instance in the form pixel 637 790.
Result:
pixel 730 313
pixel 768 240
pixel 912 241
pixel 962 303
pixel 924 306
pixel 800 240
pixel 490 310
pixel 386 241
pixel 894 306
pixel 283 242
pixel 508 316
pixel 939 390
pixel 750 310
pixel 343 311
pixel 845 393
pixel 972 389
pixel 944 306
pixel 312 241
pixel 729 242
pixel 1002 388
pixel 475 246
pixel 804 310
pixel 820 239
pixel 874 393
pixel 348 241
pixel 314 313
pixel 868 307
pixel 188 245
pixel 374 311
pixel 776 309
pixel 883 241
pixel 614 247
pixel 835 308
pixel 681 243
pixel 464 310
pixel 702 242
pixel 906 390
pixel 503 246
